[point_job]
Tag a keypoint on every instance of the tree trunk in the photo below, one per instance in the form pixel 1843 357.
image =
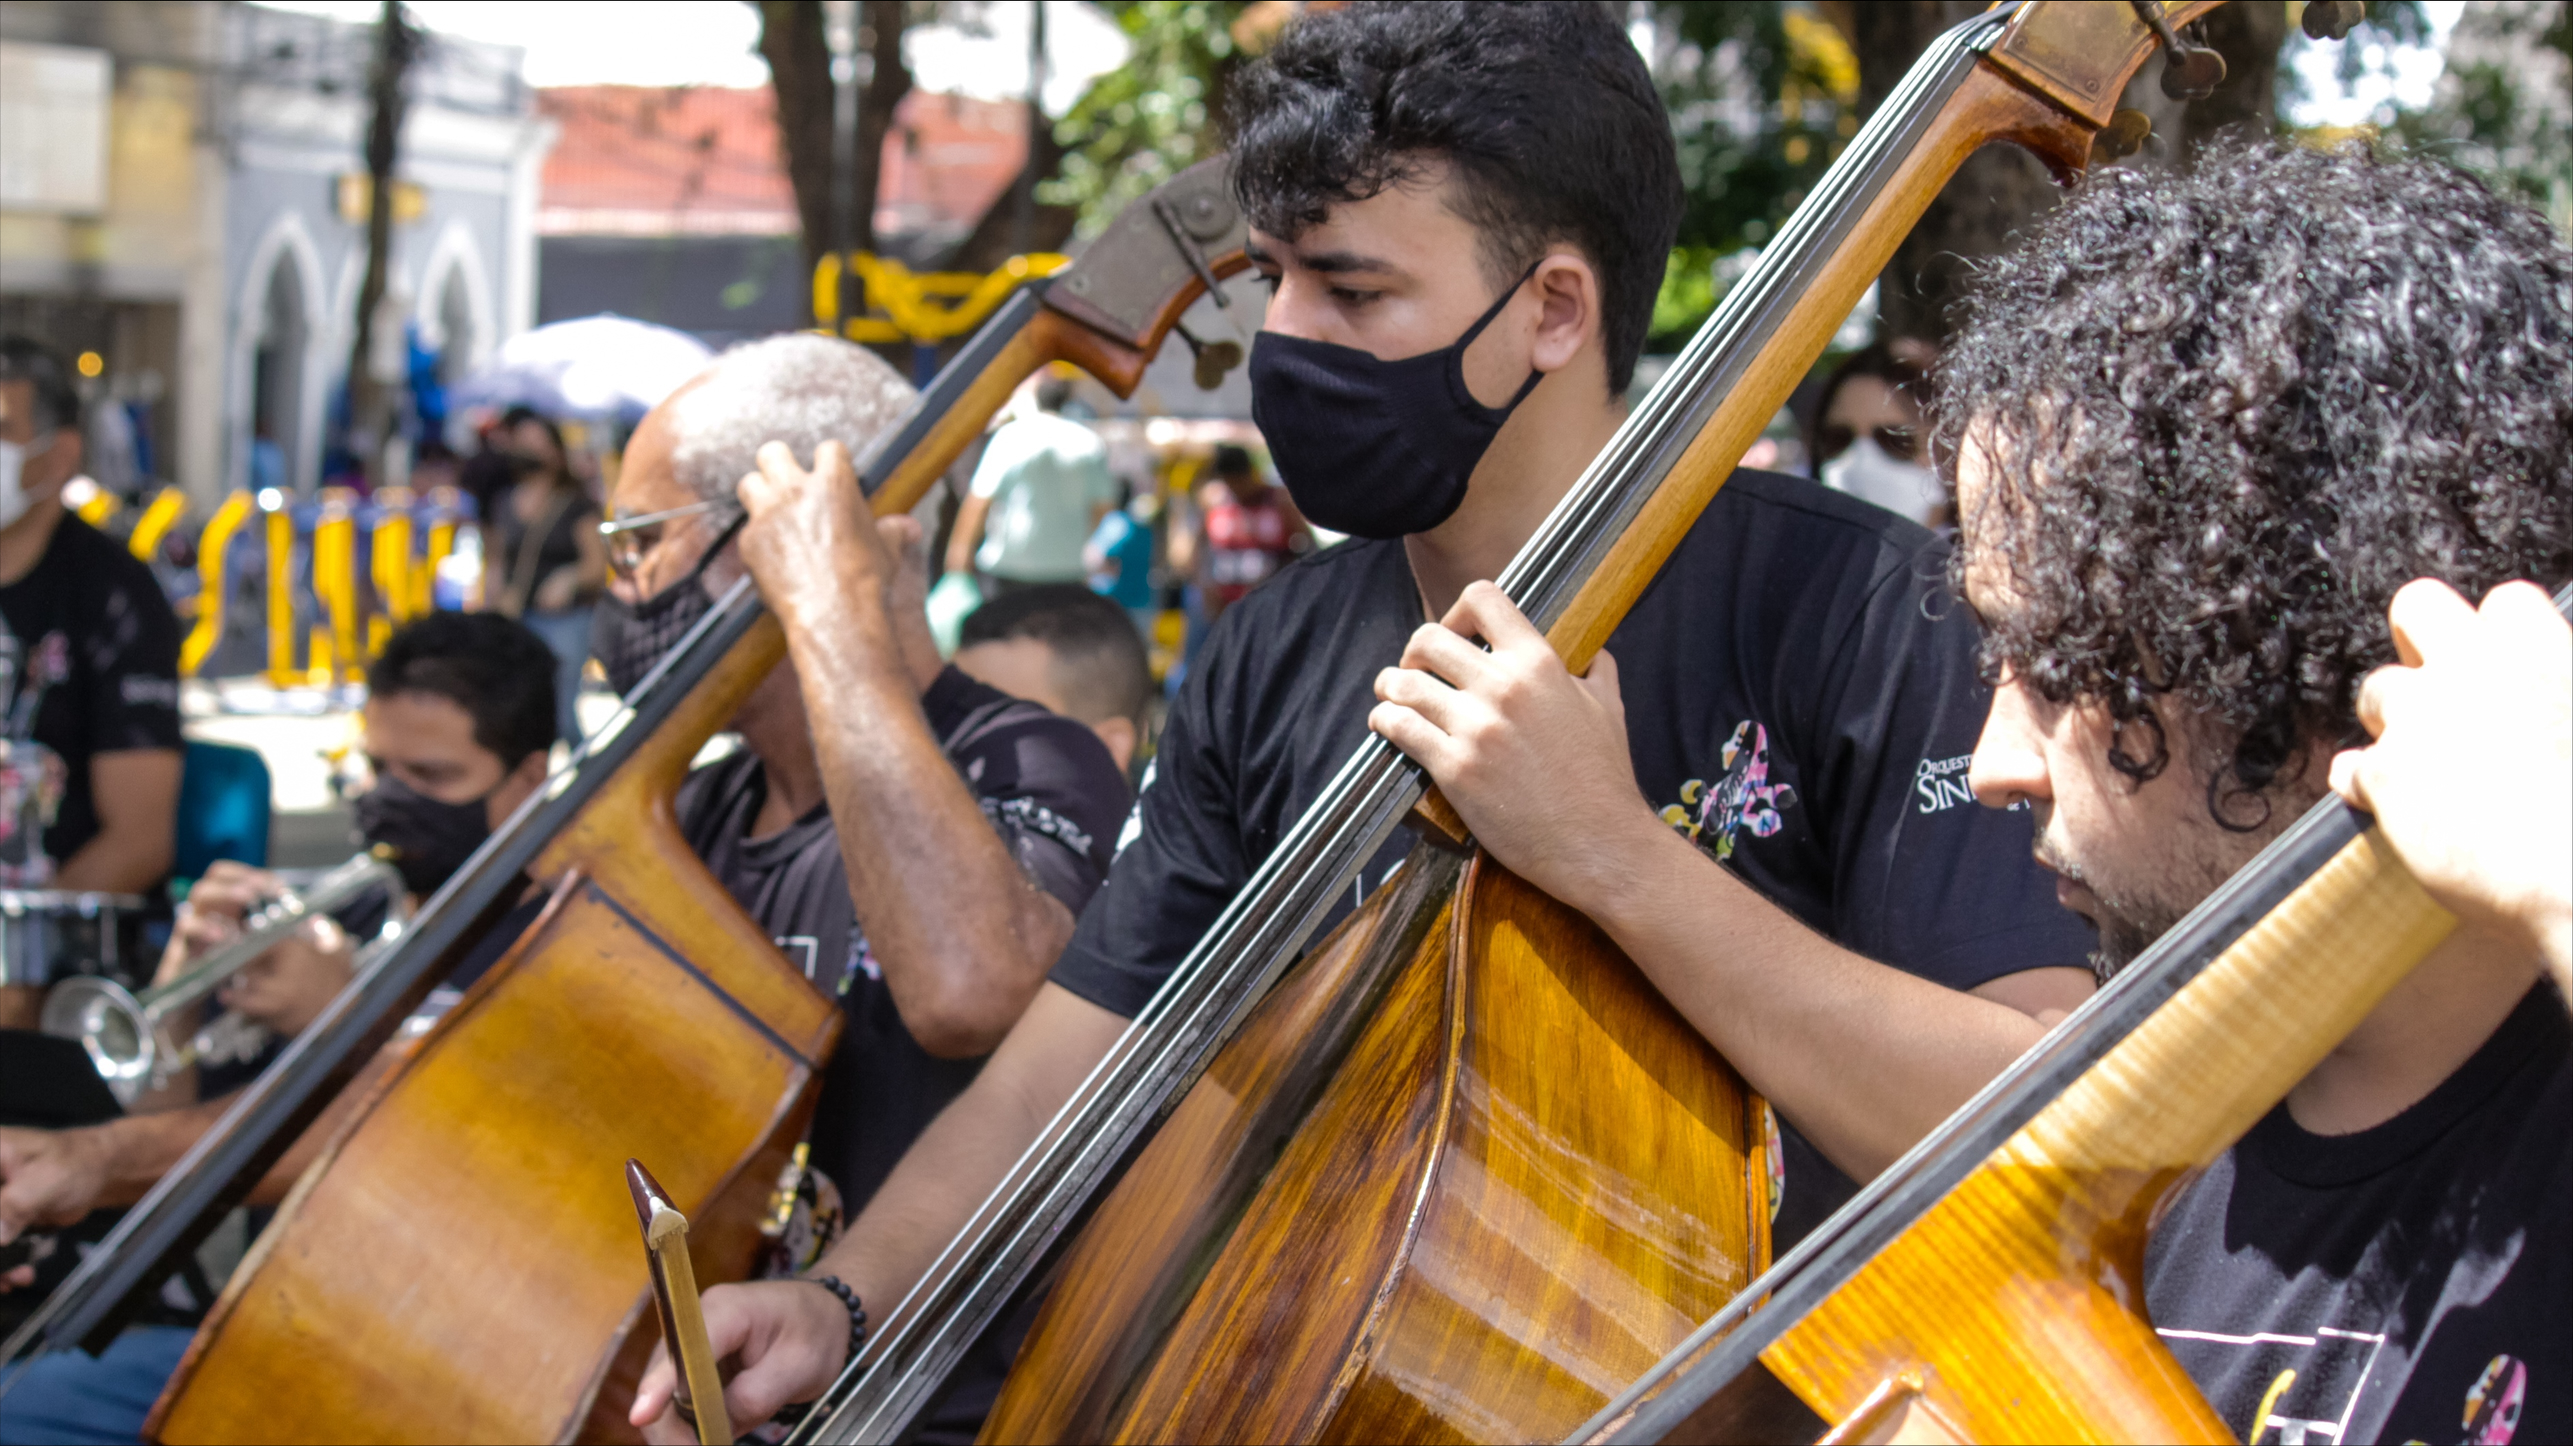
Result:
pixel 799 77
pixel 799 70
pixel 370 401
pixel 1996 193
pixel 996 237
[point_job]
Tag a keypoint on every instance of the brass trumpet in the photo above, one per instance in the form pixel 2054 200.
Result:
pixel 125 1032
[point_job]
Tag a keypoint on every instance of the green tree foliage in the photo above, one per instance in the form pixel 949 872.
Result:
pixel 1154 116
pixel 2504 108
pixel 1762 98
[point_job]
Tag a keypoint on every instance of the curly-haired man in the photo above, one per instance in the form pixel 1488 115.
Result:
pixel 2206 430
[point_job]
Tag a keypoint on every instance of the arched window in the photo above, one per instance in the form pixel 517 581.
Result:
pixel 277 375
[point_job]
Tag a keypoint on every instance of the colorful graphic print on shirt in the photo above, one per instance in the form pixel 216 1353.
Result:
pixel 1743 797
pixel 2328 1371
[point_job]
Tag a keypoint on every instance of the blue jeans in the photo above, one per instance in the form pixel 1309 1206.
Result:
pixel 77 1399
pixel 568 634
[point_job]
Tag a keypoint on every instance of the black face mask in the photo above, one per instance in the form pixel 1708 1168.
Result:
pixel 430 839
pixel 1370 447
pixel 628 639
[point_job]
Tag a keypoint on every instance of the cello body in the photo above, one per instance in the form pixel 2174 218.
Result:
pixel 1525 1177
pixel 450 1267
pixel 458 1265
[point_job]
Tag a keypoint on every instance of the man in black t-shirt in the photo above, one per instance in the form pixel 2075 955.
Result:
pixel 458 718
pixel 1465 211
pixel 96 647
pixel 919 843
pixel 2304 380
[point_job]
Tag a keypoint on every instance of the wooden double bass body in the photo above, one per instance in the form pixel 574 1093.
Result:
pixel 459 1265
pixel 1452 1245
pixel 1465 1167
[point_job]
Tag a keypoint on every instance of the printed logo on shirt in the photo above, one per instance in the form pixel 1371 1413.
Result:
pixel 1743 797
pixel 861 961
pixel 1941 783
pixel 1135 816
pixel 2492 1407
pixel 140 692
pixel 1033 817
pixel 801 950
pixel 50 664
pixel 2314 1380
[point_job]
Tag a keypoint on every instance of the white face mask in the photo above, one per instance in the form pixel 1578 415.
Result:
pixel 13 498
pixel 1867 472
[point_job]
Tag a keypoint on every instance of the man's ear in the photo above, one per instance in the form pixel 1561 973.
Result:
pixel 1121 736
pixel 516 787
pixel 1568 319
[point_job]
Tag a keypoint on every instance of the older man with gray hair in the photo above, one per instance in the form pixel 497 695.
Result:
pixel 917 841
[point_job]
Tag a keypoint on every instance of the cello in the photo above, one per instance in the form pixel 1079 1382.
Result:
pixel 456 1266
pixel 1461 1163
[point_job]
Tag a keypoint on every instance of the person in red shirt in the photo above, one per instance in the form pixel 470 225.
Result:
pixel 1248 530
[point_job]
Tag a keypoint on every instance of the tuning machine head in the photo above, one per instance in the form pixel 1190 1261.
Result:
pixel 2332 19
pixel 2123 136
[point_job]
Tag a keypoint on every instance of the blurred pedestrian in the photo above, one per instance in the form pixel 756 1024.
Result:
pixel 93 643
pixel 1239 531
pixel 1069 649
pixel 1118 558
pixel 1248 529
pixel 1040 490
pixel 546 564
pixel 1868 440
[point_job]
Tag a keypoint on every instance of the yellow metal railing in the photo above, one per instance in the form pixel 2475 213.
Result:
pixel 214 549
pixel 920 307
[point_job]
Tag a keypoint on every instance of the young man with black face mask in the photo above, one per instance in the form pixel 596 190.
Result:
pixel 1466 210
pixel 458 718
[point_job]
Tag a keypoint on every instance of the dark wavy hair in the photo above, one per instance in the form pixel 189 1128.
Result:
pixel 2235 408
pixel 1545 111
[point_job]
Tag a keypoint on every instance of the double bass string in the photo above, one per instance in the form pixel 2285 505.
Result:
pixel 1016 1231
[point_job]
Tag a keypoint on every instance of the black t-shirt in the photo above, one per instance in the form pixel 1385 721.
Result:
pixel 95 634
pixel 2410 1282
pixel 1801 700
pixel 1046 783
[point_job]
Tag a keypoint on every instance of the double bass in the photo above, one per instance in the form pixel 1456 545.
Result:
pixel 1452 1174
pixel 458 1263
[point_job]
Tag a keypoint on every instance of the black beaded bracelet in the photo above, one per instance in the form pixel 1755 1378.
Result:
pixel 857 1312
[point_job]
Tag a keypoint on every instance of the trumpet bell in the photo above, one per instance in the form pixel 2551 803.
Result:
pixel 111 1024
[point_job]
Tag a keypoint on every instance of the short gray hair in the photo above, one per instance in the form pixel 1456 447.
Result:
pixel 802 390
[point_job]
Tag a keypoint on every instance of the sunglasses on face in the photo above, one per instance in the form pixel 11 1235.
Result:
pixel 1900 443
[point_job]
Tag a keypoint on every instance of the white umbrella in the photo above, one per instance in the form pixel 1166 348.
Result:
pixel 593 366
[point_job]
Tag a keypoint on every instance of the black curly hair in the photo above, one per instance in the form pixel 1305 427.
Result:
pixel 2235 408
pixel 1545 111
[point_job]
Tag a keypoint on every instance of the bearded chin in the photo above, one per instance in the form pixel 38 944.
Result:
pixel 2122 938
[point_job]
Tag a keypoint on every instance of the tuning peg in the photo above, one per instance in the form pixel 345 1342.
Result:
pixel 2189 72
pixel 2192 74
pixel 2332 19
pixel 1214 358
pixel 2123 136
